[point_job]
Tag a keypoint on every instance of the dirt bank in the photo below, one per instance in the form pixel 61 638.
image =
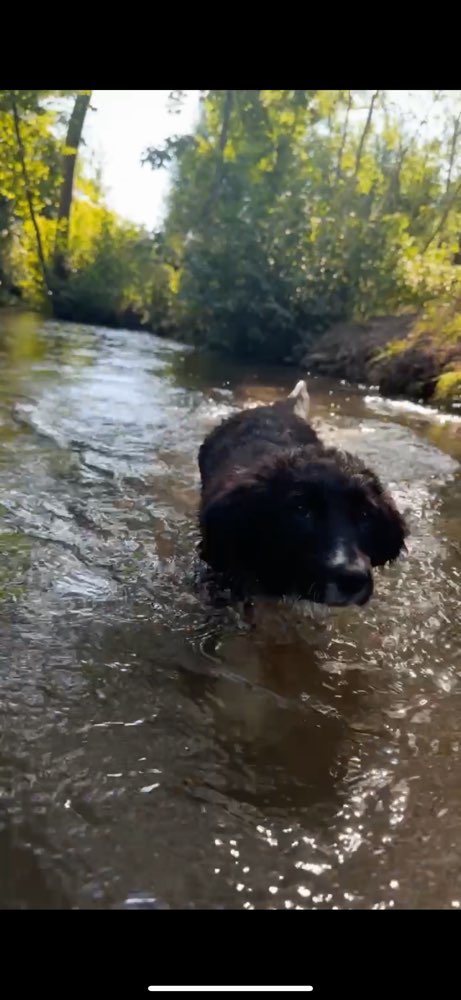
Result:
pixel 396 353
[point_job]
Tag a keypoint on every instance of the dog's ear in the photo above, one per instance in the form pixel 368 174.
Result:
pixel 389 528
pixel 392 531
pixel 227 524
pixel 301 400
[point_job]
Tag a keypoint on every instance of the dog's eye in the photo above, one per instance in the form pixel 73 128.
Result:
pixel 364 514
pixel 301 509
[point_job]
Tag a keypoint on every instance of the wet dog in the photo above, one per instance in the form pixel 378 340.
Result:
pixel 284 516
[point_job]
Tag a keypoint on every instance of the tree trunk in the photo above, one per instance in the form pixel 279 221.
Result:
pixel 343 136
pixel 73 138
pixel 443 218
pixel 226 119
pixel 365 132
pixel 449 197
pixel 391 196
pixel 222 143
pixel 227 111
pixel 28 190
pixel 453 149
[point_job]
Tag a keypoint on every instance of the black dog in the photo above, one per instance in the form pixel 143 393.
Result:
pixel 281 515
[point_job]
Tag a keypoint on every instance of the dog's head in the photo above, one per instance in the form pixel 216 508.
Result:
pixel 306 523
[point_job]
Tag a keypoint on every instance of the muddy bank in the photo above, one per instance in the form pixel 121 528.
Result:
pixel 391 353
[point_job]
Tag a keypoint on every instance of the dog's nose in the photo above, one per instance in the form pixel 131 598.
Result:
pixel 354 584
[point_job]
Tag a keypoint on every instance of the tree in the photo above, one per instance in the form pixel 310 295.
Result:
pixel 70 152
pixel 292 209
pixel 28 190
pixel 28 180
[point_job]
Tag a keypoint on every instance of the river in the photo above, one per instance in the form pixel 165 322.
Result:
pixel 155 753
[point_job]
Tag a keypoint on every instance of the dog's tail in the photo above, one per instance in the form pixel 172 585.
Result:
pixel 301 399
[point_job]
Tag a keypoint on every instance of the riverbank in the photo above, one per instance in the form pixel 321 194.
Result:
pixel 413 356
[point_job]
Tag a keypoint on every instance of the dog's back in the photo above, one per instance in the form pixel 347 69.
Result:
pixel 281 515
pixel 247 437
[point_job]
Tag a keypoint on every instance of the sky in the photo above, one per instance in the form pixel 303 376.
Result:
pixel 125 122
pixel 116 134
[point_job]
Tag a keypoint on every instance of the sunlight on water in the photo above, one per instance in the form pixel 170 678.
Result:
pixel 406 407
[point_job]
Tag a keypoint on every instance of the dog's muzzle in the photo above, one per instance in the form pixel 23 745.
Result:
pixel 349 579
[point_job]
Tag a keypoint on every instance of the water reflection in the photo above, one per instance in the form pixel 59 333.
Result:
pixel 159 754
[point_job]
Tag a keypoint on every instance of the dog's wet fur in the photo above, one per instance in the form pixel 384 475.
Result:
pixel 283 516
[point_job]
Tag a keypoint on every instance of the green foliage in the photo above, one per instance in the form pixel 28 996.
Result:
pixel 441 318
pixel 116 277
pixel 448 388
pixel 293 209
pixel 289 210
pixel 42 156
pixel 116 272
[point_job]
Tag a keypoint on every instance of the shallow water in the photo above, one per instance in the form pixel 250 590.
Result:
pixel 154 752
